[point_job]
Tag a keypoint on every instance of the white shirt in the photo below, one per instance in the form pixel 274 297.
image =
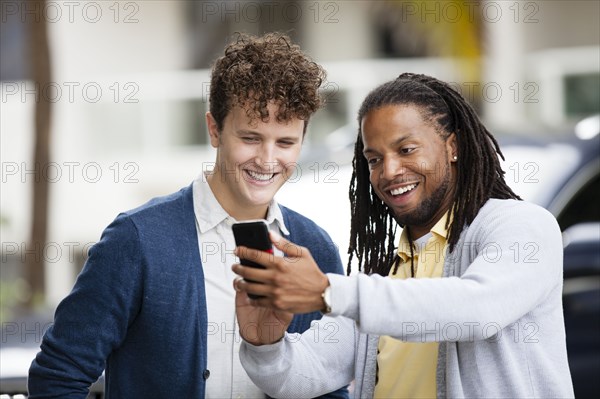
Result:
pixel 215 240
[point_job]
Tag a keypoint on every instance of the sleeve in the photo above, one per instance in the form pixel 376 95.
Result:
pixel 517 263
pixel 304 365
pixel 327 256
pixel 93 319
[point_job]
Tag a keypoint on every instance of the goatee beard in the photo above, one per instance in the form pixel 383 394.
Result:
pixel 426 210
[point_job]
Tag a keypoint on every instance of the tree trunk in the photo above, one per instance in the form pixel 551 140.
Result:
pixel 41 75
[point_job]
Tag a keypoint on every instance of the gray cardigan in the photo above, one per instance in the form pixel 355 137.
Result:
pixel 497 315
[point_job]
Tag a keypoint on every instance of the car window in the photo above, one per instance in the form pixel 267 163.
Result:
pixel 583 207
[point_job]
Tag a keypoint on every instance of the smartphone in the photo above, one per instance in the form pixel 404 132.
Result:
pixel 252 234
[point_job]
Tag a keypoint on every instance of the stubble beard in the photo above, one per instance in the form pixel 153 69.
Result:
pixel 426 210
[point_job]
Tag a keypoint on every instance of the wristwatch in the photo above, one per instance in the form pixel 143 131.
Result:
pixel 326 295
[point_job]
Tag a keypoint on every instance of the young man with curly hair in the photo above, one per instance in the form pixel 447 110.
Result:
pixel 154 304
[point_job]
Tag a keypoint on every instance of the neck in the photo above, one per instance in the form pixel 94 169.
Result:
pixel 241 216
pixel 235 209
pixel 417 232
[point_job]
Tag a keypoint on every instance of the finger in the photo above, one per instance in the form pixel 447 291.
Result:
pixel 252 273
pixel 286 246
pixel 241 298
pixel 263 302
pixel 263 258
pixel 252 287
pixel 235 283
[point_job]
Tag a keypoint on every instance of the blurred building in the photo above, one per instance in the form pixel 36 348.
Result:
pixel 130 90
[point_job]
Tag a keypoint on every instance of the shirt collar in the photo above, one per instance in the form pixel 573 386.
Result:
pixel 274 214
pixel 439 229
pixel 209 213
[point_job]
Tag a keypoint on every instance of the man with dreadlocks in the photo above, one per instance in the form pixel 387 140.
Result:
pixel 468 305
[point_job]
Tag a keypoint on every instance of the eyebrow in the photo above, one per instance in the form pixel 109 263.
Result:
pixel 254 133
pixel 244 131
pixel 395 143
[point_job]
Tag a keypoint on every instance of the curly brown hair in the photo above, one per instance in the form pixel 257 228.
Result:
pixel 257 70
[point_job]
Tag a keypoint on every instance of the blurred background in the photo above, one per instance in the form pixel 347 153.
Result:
pixel 103 103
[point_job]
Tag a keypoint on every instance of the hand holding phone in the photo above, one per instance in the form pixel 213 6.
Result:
pixel 252 234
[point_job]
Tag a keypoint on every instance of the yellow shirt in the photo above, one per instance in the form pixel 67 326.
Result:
pixel 408 369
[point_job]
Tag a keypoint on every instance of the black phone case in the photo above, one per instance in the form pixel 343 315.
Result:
pixel 252 235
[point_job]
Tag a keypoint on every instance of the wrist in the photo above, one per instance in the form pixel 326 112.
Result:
pixel 326 299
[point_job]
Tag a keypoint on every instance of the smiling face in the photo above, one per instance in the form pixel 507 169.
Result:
pixel 254 159
pixel 411 165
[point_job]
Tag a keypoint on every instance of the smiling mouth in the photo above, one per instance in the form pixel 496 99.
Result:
pixel 260 176
pixel 403 190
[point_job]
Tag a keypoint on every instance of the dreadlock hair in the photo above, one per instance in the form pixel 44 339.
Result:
pixel 479 174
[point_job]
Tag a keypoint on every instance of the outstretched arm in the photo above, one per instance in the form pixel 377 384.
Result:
pixel 306 365
pixel 314 363
pixel 498 288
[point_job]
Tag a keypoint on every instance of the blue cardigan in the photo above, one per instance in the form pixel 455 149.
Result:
pixel 138 308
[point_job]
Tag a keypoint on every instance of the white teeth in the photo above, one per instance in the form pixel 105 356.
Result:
pixel 260 176
pixel 402 190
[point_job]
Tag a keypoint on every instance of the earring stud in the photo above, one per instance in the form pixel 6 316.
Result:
pixel 455 157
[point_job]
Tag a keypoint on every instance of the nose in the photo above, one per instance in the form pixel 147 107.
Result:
pixel 392 167
pixel 266 157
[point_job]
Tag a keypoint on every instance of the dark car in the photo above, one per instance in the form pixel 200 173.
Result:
pixel 581 303
pixel 574 198
pixel 567 179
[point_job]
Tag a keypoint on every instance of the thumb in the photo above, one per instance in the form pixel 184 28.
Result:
pixel 287 247
pixel 241 298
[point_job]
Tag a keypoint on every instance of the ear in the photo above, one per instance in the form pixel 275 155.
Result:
pixel 213 131
pixel 452 148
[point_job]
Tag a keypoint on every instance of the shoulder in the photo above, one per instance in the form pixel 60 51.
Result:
pixel 513 209
pixel 159 213
pixel 300 226
pixel 168 203
pixel 305 232
pixel 162 222
pixel 516 218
